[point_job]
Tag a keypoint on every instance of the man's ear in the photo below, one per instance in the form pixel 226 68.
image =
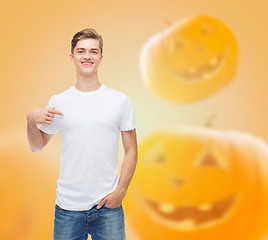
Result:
pixel 71 57
pixel 101 58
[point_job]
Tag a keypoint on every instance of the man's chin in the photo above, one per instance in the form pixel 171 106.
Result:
pixel 87 73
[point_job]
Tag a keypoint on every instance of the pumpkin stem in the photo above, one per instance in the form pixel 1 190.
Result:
pixel 209 121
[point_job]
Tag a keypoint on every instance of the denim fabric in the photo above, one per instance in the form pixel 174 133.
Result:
pixel 102 224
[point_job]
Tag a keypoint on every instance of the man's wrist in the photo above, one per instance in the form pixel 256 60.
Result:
pixel 121 190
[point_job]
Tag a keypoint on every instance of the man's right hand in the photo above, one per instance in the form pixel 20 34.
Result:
pixel 42 115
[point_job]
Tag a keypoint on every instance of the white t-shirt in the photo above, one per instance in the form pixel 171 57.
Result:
pixel 90 134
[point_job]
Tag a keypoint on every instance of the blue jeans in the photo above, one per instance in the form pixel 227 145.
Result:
pixel 102 224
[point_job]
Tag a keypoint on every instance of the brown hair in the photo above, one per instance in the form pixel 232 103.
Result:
pixel 84 34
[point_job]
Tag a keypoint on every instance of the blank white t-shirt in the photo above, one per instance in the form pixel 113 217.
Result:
pixel 90 131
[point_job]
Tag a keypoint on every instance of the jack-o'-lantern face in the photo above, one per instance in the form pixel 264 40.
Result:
pixel 189 184
pixel 209 164
pixel 190 60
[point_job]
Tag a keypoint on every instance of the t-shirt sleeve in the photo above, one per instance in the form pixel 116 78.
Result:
pixel 127 119
pixel 51 128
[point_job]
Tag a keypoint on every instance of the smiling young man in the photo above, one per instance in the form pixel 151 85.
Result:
pixel 89 115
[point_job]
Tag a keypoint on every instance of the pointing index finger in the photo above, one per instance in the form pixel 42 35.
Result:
pixel 52 110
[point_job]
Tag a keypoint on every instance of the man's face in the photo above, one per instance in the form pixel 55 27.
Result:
pixel 87 56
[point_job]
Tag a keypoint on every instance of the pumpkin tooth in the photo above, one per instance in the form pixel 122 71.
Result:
pixel 166 207
pixel 205 207
pixel 187 224
pixel 213 61
pixel 192 70
pixel 206 76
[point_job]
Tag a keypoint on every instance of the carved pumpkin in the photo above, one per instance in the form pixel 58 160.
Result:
pixel 190 60
pixel 28 193
pixel 199 184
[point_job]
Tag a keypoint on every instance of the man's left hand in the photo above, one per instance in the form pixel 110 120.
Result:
pixel 113 200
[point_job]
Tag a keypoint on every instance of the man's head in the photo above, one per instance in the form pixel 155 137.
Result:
pixel 84 34
pixel 86 51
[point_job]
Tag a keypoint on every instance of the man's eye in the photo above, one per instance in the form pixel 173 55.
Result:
pixel 95 52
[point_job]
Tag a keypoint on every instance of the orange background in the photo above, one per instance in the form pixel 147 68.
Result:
pixel 35 64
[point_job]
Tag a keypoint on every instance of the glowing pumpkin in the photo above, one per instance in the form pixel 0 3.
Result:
pixel 199 184
pixel 190 60
pixel 28 193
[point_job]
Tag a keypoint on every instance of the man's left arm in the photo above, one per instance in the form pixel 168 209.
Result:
pixel 130 146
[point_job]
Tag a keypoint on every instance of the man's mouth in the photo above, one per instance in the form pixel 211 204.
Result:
pixel 87 63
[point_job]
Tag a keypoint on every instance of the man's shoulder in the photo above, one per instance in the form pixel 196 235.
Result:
pixel 116 93
pixel 62 94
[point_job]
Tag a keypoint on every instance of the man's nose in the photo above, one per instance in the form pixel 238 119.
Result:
pixel 87 54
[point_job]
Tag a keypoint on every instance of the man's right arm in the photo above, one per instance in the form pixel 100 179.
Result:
pixel 37 138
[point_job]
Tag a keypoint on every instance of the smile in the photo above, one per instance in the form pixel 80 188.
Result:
pixel 87 64
pixel 187 218
pixel 203 72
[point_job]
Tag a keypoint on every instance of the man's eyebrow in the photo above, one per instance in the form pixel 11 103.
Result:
pixel 90 49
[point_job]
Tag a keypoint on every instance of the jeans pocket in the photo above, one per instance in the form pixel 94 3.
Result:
pixel 58 207
pixel 110 207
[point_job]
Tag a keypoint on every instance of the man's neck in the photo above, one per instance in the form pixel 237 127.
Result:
pixel 87 83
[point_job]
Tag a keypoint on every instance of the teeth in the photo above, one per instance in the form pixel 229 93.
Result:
pixel 213 61
pixel 166 208
pixel 187 224
pixel 192 70
pixel 86 63
pixel 205 207
pixel 206 76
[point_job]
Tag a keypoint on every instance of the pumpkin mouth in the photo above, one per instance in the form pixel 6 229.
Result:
pixel 188 218
pixel 203 72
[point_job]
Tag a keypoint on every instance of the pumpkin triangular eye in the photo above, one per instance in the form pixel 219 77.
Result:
pixel 160 158
pixel 208 161
pixel 211 157
pixel 206 29
pixel 156 154
pixel 178 43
